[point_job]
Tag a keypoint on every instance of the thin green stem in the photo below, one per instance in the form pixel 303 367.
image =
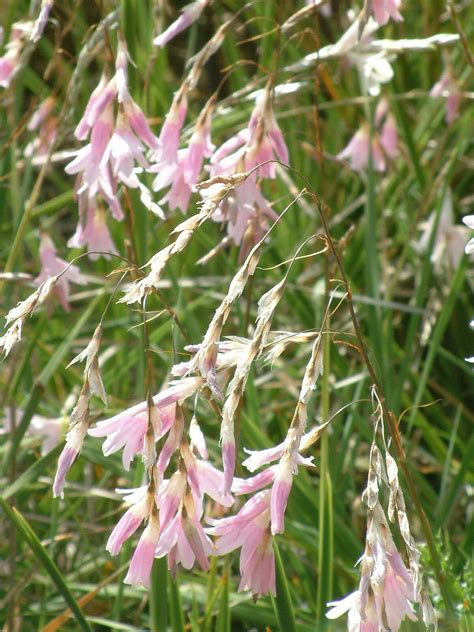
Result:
pixel 326 536
pixel 158 596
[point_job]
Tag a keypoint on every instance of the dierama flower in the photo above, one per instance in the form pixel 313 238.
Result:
pixel 358 150
pixel 249 530
pixel 383 10
pixel 128 429
pixel 189 14
pixel 143 503
pixel 47 429
pixel 115 148
pixel 260 142
pixel 139 570
pixel 52 265
pixel 386 123
pixel 9 62
pixel 185 542
pixel 449 240
pixel 46 123
pixel 448 86
pixel 79 424
pixel 92 231
pixel 386 591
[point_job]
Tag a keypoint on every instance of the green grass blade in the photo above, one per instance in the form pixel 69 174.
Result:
pixel 282 603
pixel 27 533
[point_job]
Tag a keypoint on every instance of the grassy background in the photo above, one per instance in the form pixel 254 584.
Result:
pixel 396 293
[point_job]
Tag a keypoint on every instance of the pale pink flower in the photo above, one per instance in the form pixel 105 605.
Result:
pixel 281 478
pixel 257 458
pixel 142 507
pixel 356 623
pixel 386 590
pixel 171 444
pixel 385 121
pixel 228 354
pixel 249 530
pixel 385 9
pixel 122 152
pixel 469 221
pixel 127 430
pixel 254 483
pixel 261 141
pixel 47 429
pixel 93 233
pixel 167 152
pixel 450 238
pixel 182 537
pixel 170 495
pixel 448 87
pixel 140 567
pixel 246 213
pixel 204 478
pixel 94 175
pixel 180 192
pixel 52 265
pixel 74 440
pixel 46 123
pixel 189 14
pixel 9 62
pixel 134 116
pixel 197 439
pixel 115 148
pixel 97 103
pixel 357 151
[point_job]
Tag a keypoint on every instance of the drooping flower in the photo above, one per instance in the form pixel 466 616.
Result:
pixel 92 231
pixel 46 124
pixel 139 571
pixel 9 62
pixel 184 539
pixel 189 14
pixel 383 10
pixel 128 429
pixel 358 149
pixel 449 240
pixel 114 155
pixel 448 87
pixel 357 622
pixel 182 536
pixel 258 143
pixel 386 591
pixel 47 429
pixel 385 122
pixel 143 502
pixel 79 423
pixel 52 265
pixel 249 530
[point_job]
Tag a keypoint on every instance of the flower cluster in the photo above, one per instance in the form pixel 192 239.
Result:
pixel 254 149
pixel 117 145
pixel 381 147
pixel 386 591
